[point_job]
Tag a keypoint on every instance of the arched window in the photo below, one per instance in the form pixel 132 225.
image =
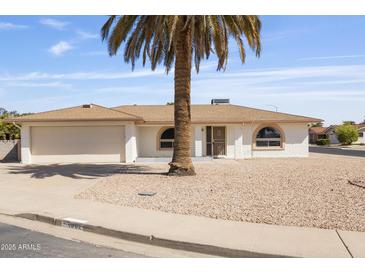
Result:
pixel 166 138
pixel 268 137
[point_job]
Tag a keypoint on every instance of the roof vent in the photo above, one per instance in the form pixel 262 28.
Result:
pixel 87 106
pixel 219 101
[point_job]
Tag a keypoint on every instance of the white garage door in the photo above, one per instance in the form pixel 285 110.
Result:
pixel 77 144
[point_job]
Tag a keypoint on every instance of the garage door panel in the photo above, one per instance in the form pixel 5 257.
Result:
pixel 77 144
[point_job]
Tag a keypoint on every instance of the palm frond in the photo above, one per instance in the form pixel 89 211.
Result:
pixel 154 38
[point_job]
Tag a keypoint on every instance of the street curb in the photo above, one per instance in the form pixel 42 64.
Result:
pixel 152 240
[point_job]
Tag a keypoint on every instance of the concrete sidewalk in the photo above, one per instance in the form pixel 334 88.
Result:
pixel 53 197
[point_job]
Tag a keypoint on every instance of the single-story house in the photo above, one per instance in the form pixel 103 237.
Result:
pixel 93 133
pixel 361 130
pixel 331 133
pixel 316 133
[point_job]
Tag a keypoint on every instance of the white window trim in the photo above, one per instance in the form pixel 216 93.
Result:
pixel 268 148
pixel 167 141
pixel 159 140
pixel 268 142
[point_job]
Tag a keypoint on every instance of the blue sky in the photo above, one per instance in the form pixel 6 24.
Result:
pixel 310 65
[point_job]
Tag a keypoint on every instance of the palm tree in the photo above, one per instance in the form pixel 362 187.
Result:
pixel 177 40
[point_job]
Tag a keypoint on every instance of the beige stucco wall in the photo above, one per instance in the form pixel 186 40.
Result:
pixel 120 142
pixel 238 141
pixel 333 137
pixel 26 156
pixel 230 139
pixel 130 138
pixel 296 141
pixel 147 142
pixel 75 144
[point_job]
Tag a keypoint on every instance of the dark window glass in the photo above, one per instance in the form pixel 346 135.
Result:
pixel 167 144
pixel 209 149
pixel 209 141
pixel 168 134
pixel 209 134
pixel 262 143
pixel 361 134
pixel 274 143
pixel 268 132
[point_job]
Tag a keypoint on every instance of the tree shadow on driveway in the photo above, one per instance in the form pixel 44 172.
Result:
pixel 83 171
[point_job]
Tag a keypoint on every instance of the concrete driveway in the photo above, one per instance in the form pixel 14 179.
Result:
pixel 58 179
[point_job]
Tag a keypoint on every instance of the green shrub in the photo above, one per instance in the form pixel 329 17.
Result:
pixel 347 134
pixel 8 130
pixel 323 142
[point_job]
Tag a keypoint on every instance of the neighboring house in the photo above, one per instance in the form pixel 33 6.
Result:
pixel 92 133
pixel 361 129
pixel 331 134
pixel 316 133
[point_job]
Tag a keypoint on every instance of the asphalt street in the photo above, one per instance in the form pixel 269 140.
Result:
pixel 337 151
pixel 16 242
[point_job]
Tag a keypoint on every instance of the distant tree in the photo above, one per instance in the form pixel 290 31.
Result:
pixel 8 130
pixel 170 103
pixel 348 123
pixel 4 128
pixel 347 134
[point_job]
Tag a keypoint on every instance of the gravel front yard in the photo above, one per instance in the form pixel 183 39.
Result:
pixel 310 191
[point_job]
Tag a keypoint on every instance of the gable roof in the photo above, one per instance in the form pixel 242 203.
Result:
pixel 226 113
pixel 360 126
pixel 163 114
pixel 78 113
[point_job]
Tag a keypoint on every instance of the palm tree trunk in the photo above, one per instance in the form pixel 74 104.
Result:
pixel 181 163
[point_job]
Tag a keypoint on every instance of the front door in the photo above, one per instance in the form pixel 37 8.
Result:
pixel 219 141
